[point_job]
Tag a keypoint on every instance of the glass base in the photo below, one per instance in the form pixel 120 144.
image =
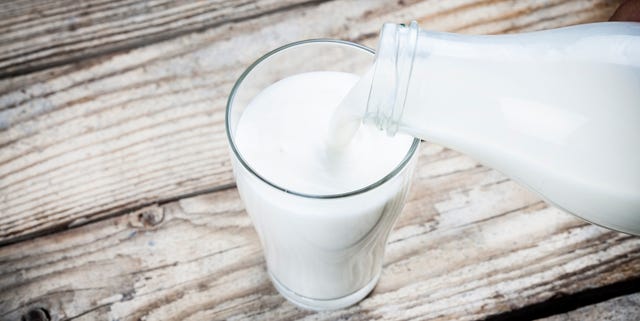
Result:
pixel 322 305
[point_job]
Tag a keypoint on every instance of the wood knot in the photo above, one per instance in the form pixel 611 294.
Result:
pixel 151 216
pixel 36 314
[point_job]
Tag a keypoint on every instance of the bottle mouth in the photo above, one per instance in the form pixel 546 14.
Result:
pixel 391 76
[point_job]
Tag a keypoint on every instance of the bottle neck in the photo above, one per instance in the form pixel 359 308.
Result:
pixel 391 76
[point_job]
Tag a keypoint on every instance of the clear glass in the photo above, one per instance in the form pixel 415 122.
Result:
pixel 556 110
pixel 322 251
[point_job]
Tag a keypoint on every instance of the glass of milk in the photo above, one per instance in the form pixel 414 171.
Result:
pixel 322 251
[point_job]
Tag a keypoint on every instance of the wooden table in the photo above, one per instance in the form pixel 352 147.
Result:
pixel 117 200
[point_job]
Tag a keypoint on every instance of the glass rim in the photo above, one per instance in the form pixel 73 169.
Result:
pixel 408 156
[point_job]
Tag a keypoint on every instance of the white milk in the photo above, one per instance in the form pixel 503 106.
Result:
pixel 318 248
pixel 283 136
pixel 558 111
pixel 576 145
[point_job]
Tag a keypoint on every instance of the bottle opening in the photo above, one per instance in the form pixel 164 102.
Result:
pixel 392 74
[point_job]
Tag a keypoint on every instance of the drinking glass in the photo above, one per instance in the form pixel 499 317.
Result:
pixel 322 251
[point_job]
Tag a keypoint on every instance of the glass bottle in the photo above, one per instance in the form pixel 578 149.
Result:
pixel 557 111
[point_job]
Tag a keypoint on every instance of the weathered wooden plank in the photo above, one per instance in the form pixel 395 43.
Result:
pixel 121 131
pixel 623 308
pixel 470 244
pixel 52 34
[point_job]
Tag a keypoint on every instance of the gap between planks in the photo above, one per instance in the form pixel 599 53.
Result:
pixel 199 258
pixel 82 222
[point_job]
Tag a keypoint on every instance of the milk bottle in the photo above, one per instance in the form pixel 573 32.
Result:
pixel 557 110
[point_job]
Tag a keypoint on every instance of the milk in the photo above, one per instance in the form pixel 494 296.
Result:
pixel 284 135
pixel 558 110
pixel 318 246
pixel 578 146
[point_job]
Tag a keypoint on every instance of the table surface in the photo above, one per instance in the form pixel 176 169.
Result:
pixel 117 200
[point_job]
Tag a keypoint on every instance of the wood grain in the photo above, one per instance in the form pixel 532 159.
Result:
pixel 92 139
pixel 37 36
pixel 470 244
